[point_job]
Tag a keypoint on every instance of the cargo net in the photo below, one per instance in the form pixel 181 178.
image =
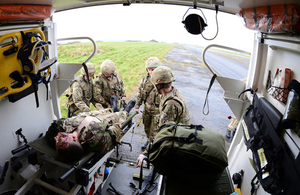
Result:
pixel 280 94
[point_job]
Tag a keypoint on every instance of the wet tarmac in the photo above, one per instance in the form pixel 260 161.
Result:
pixel 192 79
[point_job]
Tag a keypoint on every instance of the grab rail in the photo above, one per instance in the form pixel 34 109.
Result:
pixel 74 38
pixel 220 46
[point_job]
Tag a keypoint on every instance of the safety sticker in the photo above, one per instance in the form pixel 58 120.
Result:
pixel 263 162
pixel 245 130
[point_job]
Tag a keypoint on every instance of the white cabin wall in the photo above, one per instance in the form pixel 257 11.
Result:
pixel 275 51
pixel 281 54
pixel 52 35
pixel 24 114
pixel 238 156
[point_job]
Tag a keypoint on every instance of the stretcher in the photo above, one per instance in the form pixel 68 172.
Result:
pixel 70 177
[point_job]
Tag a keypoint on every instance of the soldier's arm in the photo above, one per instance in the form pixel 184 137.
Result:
pixel 171 111
pixel 98 91
pixel 78 98
pixel 116 133
pixel 97 97
pixel 122 87
pixel 139 97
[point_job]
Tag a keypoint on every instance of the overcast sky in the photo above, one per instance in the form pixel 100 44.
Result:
pixel 162 23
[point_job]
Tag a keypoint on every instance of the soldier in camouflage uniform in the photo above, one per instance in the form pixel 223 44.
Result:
pixel 148 95
pixel 173 105
pixel 97 131
pixel 81 92
pixel 110 83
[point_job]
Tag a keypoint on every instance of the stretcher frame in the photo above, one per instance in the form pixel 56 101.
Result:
pixel 51 160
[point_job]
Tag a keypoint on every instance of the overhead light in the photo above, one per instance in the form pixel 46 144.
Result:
pixel 194 24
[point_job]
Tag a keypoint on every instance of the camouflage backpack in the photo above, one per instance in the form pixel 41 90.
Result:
pixel 189 152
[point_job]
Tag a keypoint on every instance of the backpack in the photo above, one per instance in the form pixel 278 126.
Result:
pixel 189 152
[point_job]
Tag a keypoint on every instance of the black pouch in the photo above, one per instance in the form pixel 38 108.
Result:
pixel 251 119
pixel 258 118
pixel 267 158
pixel 262 129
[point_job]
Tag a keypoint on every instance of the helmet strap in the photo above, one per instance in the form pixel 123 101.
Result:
pixel 164 85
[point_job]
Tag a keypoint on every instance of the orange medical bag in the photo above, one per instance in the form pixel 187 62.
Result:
pixel 10 13
pixel 272 19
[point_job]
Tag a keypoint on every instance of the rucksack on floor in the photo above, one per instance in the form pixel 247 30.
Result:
pixel 189 152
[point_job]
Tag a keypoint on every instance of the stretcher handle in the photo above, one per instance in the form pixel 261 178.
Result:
pixel 67 174
pixel 19 149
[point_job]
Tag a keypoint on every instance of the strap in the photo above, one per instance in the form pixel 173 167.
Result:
pixel 254 185
pixel 206 98
pixel 148 94
pixel 86 71
pixel 35 87
pixel 45 81
pixel 181 140
pixel 250 89
pixel 270 20
pixel 255 18
pixel 244 17
pixel 88 82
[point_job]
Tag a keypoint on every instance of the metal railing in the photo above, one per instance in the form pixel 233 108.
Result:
pixel 223 47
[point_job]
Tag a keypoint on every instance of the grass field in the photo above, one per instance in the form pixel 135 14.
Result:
pixel 129 58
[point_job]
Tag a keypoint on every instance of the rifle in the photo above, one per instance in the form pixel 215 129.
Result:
pixel 113 190
pixel 148 184
pixel 128 120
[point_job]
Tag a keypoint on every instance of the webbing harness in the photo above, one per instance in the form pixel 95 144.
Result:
pixel 181 140
pixel 34 61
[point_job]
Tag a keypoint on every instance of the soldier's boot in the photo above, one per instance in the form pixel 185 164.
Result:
pixel 130 105
pixel 228 134
pixel 233 124
pixel 114 103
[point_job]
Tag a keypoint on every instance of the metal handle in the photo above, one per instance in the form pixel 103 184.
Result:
pixel 220 46
pixel 73 38
pixel 67 174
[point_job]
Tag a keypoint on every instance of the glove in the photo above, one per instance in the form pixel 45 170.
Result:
pixel 140 160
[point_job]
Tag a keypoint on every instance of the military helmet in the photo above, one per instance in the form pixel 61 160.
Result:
pixel 162 75
pixel 108 67
pixel 91 69
pixel 152 62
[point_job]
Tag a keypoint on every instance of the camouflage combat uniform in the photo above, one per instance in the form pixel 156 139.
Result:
pixel 173 107
pixel 148 95
pixel 80 96
pixel 108 87
pixel 99 136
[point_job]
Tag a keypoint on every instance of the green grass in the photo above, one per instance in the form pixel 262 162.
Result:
pixel 129 58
